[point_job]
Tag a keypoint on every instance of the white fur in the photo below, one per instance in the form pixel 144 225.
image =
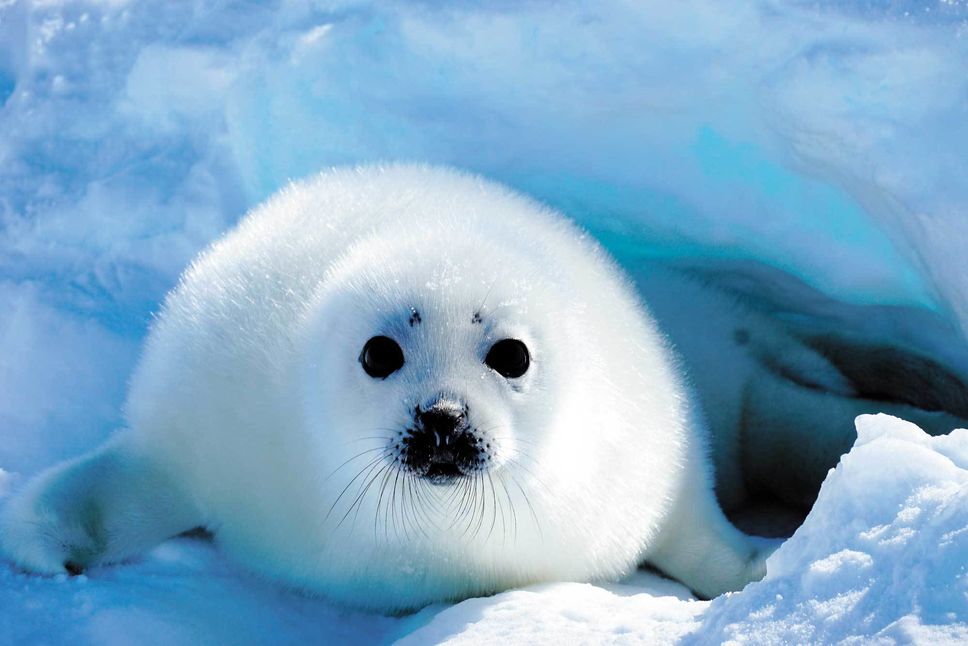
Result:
pixel 251 412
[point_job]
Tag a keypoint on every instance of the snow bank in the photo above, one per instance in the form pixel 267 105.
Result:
pixel 882 558
pixel 646 609
pixel 883 555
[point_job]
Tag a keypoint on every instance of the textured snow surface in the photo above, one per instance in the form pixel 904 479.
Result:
pixel 884 553
pixel 824 138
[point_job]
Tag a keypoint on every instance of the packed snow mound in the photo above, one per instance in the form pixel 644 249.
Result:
pixel 646 609
pixel 882 557
pixel 883 554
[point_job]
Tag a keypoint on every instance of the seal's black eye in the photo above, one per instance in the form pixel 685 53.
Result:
pixel 381 357
pixel 509 357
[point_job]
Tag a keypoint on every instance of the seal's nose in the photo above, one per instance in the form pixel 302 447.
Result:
pixel 441 447
pixel 442 419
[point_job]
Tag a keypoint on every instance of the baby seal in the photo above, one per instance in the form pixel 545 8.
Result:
pixel 396 385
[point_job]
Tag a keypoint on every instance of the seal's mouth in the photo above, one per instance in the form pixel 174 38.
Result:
pixel 446 463
pixel 443 473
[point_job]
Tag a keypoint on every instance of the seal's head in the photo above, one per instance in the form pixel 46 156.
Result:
pixel 431 371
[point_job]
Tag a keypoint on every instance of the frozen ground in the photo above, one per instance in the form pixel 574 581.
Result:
pixel 824 138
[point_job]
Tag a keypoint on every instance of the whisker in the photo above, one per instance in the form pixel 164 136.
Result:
pixel 465 499
pixel 405 498
pixel 527 470
pixel 480 520
pixel 413 487
pixel 384 473
pixel 403 519
pixel 372 437
pixel 490 480
pixel 362 493
pixel 393 507
pixel 358 455
pixel 487 295
pixel 512 438
pixel 420 500
pixel 472 508
pixel 379 504
pixel 534 516
pixel 514 514
pixel 350 484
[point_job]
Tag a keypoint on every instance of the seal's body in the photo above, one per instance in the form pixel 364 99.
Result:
pixel 396 385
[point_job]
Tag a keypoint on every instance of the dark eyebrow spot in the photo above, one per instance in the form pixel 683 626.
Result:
pixel 477 318
pixel 414 316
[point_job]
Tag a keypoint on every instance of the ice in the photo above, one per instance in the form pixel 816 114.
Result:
pixel 825 139
pixel 5 479
pixel 182 593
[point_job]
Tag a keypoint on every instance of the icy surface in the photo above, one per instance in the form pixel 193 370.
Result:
pixel 824 138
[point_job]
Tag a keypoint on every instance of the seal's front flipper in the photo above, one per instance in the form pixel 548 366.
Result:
pixel 100 508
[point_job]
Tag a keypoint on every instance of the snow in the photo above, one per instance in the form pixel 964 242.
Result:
pixel 823 138
pixel 882 555
pixel 5 479
pixel 183 593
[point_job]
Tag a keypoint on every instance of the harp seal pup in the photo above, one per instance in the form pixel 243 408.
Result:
pixel 394 385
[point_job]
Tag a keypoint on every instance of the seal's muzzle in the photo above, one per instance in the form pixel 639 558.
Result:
pixel 441 445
